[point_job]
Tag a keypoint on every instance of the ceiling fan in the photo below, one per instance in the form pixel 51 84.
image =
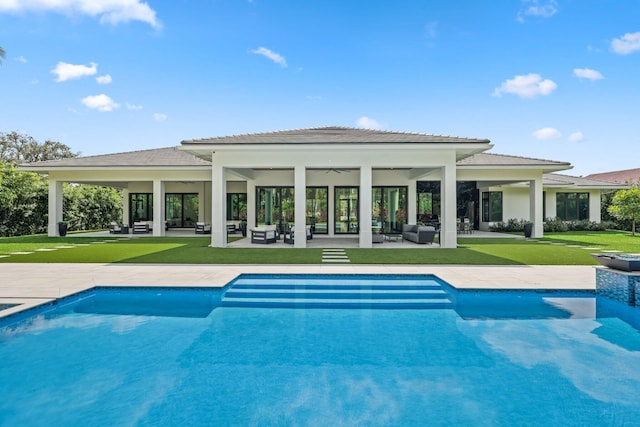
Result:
pixel 337 170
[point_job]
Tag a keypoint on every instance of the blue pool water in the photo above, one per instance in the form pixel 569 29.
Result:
pixel 249 355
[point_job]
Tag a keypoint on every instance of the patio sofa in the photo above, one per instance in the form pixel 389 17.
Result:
pixel 418 233
pixel 265 234
pixel 115 228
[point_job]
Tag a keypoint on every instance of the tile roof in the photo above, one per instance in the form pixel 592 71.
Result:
pixel 333 135
pixel 622 176
pixel 555 179
pixel 491 159
pixel 159 157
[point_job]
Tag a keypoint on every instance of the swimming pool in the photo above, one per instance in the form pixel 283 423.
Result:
pixel 165 356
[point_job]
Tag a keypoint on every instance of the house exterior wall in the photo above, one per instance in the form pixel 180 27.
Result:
pixel 515 203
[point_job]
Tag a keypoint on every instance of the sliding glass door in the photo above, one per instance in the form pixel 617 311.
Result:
pixel 181 210
pixel 346 210
pixel 317 209
pixel 275 206
pixel 389 209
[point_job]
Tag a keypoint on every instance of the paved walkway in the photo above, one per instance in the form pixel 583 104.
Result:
pixel 32 284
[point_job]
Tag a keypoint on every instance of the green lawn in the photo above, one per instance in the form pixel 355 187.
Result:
pixel 554 249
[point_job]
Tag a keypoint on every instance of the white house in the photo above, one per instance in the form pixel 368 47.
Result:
pixel 340 181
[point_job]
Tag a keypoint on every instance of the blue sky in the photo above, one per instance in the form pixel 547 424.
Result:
pixel 552 79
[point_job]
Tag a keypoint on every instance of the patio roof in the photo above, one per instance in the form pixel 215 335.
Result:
pixel 170 157
pixel 333 135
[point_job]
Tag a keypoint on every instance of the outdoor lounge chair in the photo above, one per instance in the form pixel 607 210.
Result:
pixel 115 228
pixel 141 227
pixel 289 235
pixel 202 228
pixel 264 235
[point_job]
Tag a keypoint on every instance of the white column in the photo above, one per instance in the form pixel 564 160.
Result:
pixel 412 201
pixel 55 207
pixel 535 207
pixel 551 208
pixel 300 216
pixel 202 202
pixel 251 204
pixel 448 232
pixel 595 200
pixel 218 205
pixel 366 180
pixel 125 206
pixel 158 208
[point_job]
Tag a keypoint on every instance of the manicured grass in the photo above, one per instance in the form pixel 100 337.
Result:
pixel 554 249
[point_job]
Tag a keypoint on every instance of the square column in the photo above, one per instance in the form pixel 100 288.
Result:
pixel 251 204
pixel 300 217
pixel 412 202
pixel 218 206
pixel 448 205
pixel 125 207
pixel 55 207
pixel 366 180
pixel 158 208
pixel 535 207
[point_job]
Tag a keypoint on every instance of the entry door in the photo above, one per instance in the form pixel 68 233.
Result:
pixel 346 210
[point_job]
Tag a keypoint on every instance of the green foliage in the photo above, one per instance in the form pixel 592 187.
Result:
pixel 24 195
pixel 514 225
pixel 2 54
pixel 625 205
pixel 511 226
pixel 88 207
pixel 23 202
pixel 16 148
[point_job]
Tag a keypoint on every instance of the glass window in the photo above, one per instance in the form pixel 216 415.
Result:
pixel 181 210
pixel 275 205
pixel 236 206
pixel 572 206
pixel 140 207
pixel 346 210
pixel 318 209
pixel 492 206
pixel 428 200
pixel 389 209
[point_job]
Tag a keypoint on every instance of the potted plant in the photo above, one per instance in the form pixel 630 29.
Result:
pixel 528 228
pixel 62 228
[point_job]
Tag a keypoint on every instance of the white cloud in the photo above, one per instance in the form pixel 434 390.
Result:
pixel 541 9
pixel 100 102
pixel 547 133
pixel 104 80
pixel 66 71
pixel 587 73
pixel 22 59
pixel 626 44
pixel 108 11
pixel 368 123
pixel 273 56
pixel 133 107
pixel 159 117
pixel 576 137
pixel 528 86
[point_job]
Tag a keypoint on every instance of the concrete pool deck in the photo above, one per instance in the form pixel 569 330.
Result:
pixel 32 284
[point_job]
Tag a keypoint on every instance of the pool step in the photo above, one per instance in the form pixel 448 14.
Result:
pixel 317 293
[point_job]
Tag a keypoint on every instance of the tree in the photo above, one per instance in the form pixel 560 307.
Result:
pixel 23 202
pixel 2 54
pixel 16 148
pixel 626 205
pixel 24 195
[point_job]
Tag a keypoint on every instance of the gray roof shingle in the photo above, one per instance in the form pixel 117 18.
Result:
pixel 159 157
pixel 333 135
pixel 491 159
